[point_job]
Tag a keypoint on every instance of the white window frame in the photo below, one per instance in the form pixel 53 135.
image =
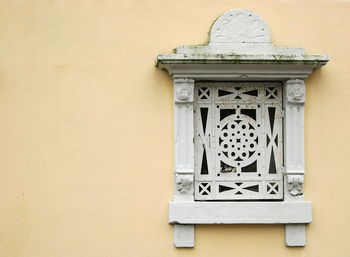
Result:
pixel 233 56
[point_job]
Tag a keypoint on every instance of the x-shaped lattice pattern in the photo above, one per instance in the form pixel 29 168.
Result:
pixel 272 188
pixel 204 93
pixel 271 93
pixel 204 188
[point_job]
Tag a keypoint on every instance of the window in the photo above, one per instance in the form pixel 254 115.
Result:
pixel 239 130
pixel 238 141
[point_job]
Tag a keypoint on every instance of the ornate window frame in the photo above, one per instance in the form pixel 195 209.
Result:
pixel 240 49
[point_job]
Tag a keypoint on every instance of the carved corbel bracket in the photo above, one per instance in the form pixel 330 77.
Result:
pixel 295 184
pixel 184 183
pixel 295 91
pixel 183 90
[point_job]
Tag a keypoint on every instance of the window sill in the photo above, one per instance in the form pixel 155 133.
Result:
pixel 240 212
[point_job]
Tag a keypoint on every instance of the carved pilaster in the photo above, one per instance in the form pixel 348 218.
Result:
pixel 294 99
pixel 184 155
pixel 184 152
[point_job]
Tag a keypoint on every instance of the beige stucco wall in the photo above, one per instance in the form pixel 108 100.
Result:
pixel 86 150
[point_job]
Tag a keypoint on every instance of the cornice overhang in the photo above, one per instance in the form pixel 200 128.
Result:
pixel 201 66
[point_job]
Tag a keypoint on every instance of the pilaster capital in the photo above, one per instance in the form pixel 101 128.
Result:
pixel 295 91
pixel 183 89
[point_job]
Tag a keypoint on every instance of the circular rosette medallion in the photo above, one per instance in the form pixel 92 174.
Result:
pixel 238 140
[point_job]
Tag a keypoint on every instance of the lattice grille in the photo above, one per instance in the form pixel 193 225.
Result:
pixel 238 141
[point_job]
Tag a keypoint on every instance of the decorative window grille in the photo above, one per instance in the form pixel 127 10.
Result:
pixel 238 141
pixel 239 130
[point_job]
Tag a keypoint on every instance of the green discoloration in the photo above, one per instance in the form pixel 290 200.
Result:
pixel 284 57
pixel 205 58
pixel 239 59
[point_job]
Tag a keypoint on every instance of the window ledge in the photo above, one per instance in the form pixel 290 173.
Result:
pixel 239 212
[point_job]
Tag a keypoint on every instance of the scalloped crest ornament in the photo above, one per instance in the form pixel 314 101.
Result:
pixel 239 26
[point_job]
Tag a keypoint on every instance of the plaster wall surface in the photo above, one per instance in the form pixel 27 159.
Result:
pixel 86 127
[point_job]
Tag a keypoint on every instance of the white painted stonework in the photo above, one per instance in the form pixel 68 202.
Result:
pixel 239 26
pixel 239 101
pixel 240 212
pixel 238 141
